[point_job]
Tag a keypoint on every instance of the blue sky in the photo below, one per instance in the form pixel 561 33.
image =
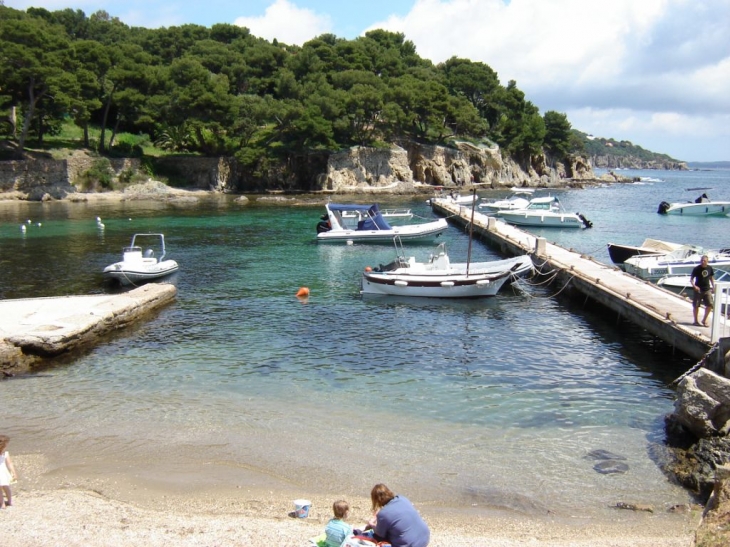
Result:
pixel 654 72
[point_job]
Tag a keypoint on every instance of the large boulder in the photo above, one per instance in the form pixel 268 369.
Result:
pixel 703 404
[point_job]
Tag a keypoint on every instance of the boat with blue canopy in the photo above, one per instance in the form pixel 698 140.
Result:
pixel 366 224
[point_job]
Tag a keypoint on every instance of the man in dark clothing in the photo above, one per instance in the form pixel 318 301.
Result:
pixel 703 283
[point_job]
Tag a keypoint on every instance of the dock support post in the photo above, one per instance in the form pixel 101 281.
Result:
pixel 491 223
pixel 540 246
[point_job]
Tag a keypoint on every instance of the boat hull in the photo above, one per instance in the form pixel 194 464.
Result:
pixel 126 274
pixel 715 208
pixel 484 279
pixel 417 232
pixel 653 270
pixel 475 286
pixel 545 220
pixel 651 247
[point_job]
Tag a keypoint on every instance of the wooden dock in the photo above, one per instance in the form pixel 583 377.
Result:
pixel 660 312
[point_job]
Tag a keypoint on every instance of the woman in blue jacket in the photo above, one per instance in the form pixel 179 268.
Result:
pixel 396 519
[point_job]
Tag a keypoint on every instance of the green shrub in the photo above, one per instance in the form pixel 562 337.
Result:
pixel 99 175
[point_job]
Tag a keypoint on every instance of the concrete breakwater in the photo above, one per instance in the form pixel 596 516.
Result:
pixel 33 331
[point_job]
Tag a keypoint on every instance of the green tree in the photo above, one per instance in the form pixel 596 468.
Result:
pixel 476 82
pixel 35 64
pixel 557 134
pixel 193 95
pixel 131 75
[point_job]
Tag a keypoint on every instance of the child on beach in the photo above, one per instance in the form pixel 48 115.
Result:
pixel 337 529
pixel 7 473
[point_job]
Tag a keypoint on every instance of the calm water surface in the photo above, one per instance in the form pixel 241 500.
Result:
pixel 492 403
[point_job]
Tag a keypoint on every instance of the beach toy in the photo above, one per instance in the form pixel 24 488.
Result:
pixel 301 508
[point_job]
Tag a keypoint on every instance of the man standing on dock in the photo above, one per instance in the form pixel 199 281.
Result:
pixel 703 283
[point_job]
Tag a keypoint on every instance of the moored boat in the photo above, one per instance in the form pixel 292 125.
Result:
pixel 620 253
pixel 438 277
pixel 341 224
pixel 702 206
pixel 139 266
pixel 545 212
pixel 679 262
pixel 518 199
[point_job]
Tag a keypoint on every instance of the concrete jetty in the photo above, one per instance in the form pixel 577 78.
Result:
pixel 660 312
pixel 32 330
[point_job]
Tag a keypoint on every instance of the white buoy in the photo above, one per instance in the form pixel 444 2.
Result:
pixel 28 221
pixel 39 224
pixel 22 228
pixel 349 242
pixel 101 226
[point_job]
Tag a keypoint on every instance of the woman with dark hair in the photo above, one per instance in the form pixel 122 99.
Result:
pixel 396 520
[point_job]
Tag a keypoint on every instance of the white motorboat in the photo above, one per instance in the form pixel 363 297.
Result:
pixel 682 284
pixel 545 212
pixel 455 197
pixel 702 206
pixel 620 253
pixel 369 226
pixel 679 262
pixel 139 266
pixel 438 277
pixel 518 199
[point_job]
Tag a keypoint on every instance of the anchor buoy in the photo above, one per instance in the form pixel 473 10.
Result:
pixel 304 291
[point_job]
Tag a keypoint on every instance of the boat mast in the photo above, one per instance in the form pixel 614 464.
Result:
pixel 471 229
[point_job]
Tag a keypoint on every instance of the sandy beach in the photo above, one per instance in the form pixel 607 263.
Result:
pixel 54 509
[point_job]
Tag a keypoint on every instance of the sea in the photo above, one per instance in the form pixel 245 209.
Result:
pixel 497 404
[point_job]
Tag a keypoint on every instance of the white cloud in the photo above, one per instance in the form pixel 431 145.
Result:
pixel 635 70
pixel 287 23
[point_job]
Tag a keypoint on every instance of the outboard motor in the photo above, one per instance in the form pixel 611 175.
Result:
pixel 663 208
pixel 587 223
pixel 323 225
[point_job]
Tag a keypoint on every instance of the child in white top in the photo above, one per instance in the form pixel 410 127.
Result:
pixel 7 473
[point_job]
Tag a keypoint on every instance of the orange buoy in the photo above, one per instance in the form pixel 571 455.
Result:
pixel 368 269
pixel 304 291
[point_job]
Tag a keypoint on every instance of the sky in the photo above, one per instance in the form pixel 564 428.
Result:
pixel 653 72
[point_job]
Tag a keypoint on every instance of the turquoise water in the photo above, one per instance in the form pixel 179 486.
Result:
pixel 492 403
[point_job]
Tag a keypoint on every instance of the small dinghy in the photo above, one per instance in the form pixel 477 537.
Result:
pixel 138 266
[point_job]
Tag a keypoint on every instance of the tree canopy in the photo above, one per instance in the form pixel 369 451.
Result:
pixel 222 91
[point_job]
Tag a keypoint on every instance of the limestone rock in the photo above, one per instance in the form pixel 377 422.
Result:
pixel 703 403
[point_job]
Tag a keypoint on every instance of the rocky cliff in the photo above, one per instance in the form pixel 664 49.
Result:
pixel 399 169
pixel 402 168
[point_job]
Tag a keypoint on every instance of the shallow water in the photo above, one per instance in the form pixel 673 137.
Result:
pixel 491 403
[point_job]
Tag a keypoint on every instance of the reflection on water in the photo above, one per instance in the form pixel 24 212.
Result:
pixel 491 402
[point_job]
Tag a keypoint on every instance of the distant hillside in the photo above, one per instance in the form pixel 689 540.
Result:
pixel 709 164
pixel 613 154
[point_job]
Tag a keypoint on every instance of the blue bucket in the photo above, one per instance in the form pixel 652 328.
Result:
pixel 301 508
